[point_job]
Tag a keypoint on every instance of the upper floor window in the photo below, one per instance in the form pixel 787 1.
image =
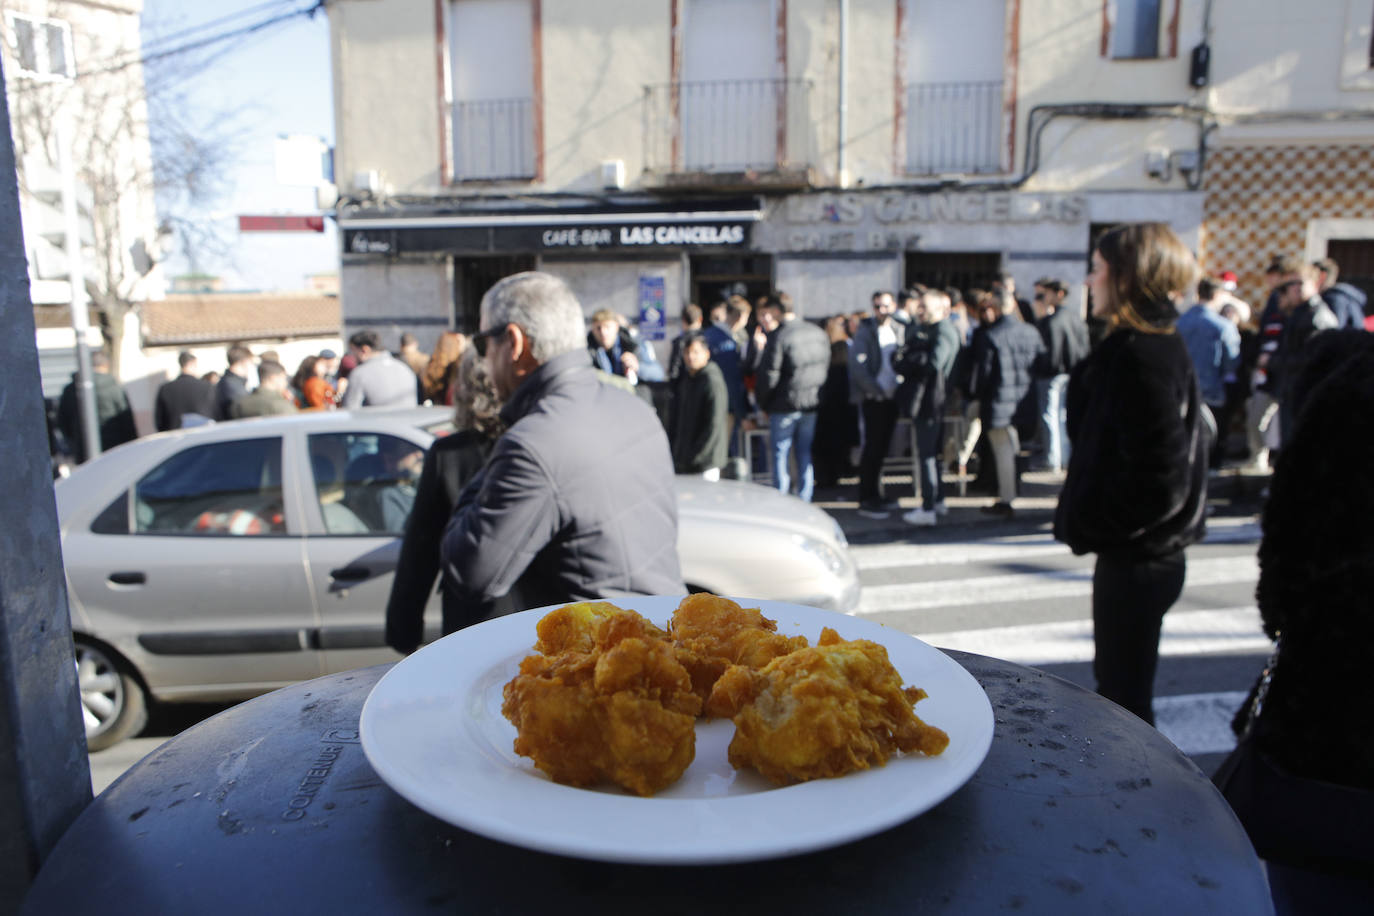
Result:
pixel 42 47
pixel 1136 29
pixel 492 72
pixel 729 94
pixel 953 103
pixel 1357 53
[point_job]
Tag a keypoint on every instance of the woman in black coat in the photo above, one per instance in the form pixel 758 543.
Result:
pixel 1135 492
pixel 450 463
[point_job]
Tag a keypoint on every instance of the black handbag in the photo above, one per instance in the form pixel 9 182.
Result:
pixel 1292 819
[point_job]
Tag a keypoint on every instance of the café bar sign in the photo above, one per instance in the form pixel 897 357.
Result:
pixel 397 237
pixel 645 235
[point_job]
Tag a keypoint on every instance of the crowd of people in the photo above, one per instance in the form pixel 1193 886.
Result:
pixel 981 375
pixel 258 384
pixel 830 394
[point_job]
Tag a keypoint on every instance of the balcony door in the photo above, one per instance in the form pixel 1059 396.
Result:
pixel 491 56
pixel 954 61
pixel 731 90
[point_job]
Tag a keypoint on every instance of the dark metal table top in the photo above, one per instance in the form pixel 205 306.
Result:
pixel 271 807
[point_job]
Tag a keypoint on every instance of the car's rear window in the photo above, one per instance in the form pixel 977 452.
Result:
pixel 222 488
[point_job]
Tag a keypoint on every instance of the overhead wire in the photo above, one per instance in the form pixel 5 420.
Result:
pixel 166 38
pixel 213 39
pixel 145 57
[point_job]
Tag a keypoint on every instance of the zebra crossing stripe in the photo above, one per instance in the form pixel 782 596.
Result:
pixel 1197 723
pixel 1015 547
pixel 1184 633
pixel 1039 585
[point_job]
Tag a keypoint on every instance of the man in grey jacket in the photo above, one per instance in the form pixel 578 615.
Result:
pixel 379 379
pixel 577 500
pixel 787 385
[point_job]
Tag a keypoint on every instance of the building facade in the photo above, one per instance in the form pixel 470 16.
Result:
pixel 75 88
pixel 74 84
pixel 655 153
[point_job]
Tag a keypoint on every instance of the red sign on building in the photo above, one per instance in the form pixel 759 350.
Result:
pixel 281 224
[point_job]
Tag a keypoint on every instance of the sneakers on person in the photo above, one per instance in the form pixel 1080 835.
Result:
pixel 920 517
pixel 999 508
pixel 941 509
pixel 874 509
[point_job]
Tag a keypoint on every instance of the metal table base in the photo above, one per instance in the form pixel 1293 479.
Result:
pixel 271 807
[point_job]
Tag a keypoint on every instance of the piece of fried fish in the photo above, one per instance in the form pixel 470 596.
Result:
pixel 822 711
pixel 712 633
pixel 604 700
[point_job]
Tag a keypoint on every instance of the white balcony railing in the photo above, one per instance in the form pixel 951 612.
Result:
pixel 493 139
pixel 953 128
pixel 727 125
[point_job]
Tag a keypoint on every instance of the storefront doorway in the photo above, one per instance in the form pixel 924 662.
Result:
pixel 963 270
pixel 472 277
pixel 717 277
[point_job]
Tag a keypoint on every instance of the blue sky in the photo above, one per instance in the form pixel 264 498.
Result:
pixel 273 82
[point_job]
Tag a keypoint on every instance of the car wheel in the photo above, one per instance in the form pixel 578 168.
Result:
pixel 112 702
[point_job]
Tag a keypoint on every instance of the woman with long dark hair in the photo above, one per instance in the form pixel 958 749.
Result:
pixel 1135 492
pixel 450 463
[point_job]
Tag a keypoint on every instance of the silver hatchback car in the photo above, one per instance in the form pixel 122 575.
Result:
pixel 225 561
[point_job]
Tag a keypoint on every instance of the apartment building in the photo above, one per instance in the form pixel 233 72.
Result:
pixel 654 152
pixel 74 84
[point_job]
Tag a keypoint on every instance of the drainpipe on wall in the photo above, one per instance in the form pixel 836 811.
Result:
pixel 841 165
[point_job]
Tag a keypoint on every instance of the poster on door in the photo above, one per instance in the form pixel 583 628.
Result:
pixel 652 300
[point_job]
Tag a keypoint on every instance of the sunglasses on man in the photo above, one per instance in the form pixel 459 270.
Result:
pixel 479 340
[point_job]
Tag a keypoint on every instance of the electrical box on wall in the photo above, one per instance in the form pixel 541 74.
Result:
pixel 613 174
pixel 1157 164
pixel 369 181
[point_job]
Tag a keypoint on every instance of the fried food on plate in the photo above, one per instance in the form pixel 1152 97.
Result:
pixel 822 711
pixel 712 633
pixel 576 627
pixel 615 706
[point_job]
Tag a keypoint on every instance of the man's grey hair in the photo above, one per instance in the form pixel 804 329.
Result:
pixel 544 308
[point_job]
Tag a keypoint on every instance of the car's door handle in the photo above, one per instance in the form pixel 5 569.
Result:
pixel 128 578
pixel 350 574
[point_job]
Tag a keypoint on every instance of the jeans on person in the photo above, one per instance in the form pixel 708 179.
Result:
pixel 793 433
pixel 1130 597
pixel 930 442
pixel 1005 444
pixel 880 419
pixel 1054 433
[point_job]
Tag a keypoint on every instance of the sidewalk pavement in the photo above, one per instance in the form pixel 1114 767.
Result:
pixel 1230 491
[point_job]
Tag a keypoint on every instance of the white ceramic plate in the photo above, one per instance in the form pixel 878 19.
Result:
pixel 432 729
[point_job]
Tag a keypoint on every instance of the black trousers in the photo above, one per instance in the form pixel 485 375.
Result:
pixel 1130 596
pixel 880 418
